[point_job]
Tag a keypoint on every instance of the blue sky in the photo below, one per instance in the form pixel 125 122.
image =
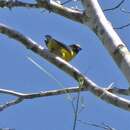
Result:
pixel 18 73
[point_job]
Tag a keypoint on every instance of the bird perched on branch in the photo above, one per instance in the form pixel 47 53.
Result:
pixel 60 49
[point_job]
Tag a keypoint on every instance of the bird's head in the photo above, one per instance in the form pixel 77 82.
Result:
pixel 76 47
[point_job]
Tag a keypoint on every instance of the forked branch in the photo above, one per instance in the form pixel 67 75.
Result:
pixel 66 67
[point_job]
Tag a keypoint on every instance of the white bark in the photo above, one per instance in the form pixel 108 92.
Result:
pixel 97 21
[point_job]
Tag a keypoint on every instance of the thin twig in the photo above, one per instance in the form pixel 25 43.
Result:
pixel 73 105
pixel 76 110
pixel 67 1
pixel 103 125
pixel 117 6
pixel 82 106
pixel 122 27
pixel 81 82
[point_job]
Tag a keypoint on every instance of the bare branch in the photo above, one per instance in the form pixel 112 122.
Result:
pixel 32 45
pixel 95 19
pixel 119 91
pixel 42 93
pixel 22 96
pixel 54 7
pixel 65 66
pixel 11 103
pixel 10 92
pixel 110 39
pixel 76 110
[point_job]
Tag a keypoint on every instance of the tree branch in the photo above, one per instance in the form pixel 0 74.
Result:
pixel 94 18
pixel 119 91
pixel 11 103
pixel 65 66
pixel 123 26
pixel 24 96
pixel 110 39
pixel 54 7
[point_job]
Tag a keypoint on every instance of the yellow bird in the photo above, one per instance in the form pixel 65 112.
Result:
pixel 60 49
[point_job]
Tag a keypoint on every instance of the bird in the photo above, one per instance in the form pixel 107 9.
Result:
pixel 66 52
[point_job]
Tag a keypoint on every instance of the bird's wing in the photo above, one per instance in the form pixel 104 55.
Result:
pixel 66 55
pixel 54 44
pixel 62 45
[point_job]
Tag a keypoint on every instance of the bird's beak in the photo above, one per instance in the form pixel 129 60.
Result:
pixel 80 48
